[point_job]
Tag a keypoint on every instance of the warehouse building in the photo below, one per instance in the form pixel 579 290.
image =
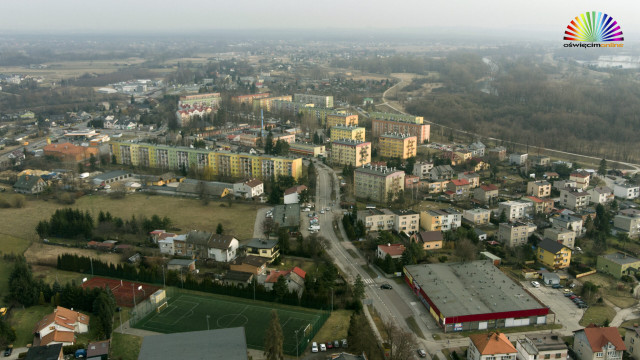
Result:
pixel 473 296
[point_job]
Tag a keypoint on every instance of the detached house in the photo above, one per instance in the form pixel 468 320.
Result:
pixel 29 184
pixel 441 172
pixel 486 193
pixel 598 343
pixel 553 254
pixel 206 245
pixel 393 250
pixel 60 327
pixel 294 277
pixel 601 195
pixel 248 189
pixel 430 240
pixel 574 199
pixel 540 188
pixel 472 177
pixel 581 179
pixel 459 186
pixel 491 346
pixel 292 194
pixel 264 248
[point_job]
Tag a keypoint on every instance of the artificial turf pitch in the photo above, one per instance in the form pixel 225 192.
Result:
pixel 188 312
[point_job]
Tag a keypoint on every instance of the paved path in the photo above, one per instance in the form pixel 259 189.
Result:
pixel 126 329
pixel 257 226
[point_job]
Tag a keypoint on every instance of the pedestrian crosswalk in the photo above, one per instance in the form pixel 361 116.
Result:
pixel 369 281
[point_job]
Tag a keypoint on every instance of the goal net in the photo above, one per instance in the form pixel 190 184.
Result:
pixel 162 306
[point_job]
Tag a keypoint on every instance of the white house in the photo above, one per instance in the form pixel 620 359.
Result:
pixel 248 189
pixel 600 194
pixel 541 346
pixel 422 169
pixel 291 195
pixel 626 191
pixel 569 222
pixel 518 159
pixel 491 346
pixel 598 343
pixel 223 248
pixel 514 210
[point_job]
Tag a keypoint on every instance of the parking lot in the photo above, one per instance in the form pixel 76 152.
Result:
pixel 567 313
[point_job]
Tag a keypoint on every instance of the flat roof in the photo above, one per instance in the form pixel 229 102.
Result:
pixel 215 344
pixel 620 258
pixel 477 287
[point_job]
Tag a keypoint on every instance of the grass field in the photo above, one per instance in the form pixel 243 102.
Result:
pixel 125 346
pixel 597 314
pixel 335 328
pixel 23 321
pixel 190 312
pixel 19 224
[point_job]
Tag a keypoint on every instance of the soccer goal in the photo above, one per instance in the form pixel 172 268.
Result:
pixel 162 306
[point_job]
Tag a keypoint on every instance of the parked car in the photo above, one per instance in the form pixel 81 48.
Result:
pixel 344 343
pixel 386 286
pixel 556 286
pixel 567 290
pixel 329 345
pixel 535 284
pixel 336 344
pixel 8 351
pixel 569 294
pixel 572 297
pixel 323 347
pixel 314 347
pixel 422 353
pixel 583 306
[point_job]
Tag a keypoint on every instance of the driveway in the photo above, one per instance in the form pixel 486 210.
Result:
pixel 257 226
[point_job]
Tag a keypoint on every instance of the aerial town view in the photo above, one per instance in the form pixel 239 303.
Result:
pixel 340 180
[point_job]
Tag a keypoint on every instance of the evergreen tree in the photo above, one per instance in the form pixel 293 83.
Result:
pixel 274 339
pixel 602 169
pixel 104 307
pixel 280 288
pixel 219 229
pixel 22 287
pixel 268 144
pixel 503 217
pixel 358 288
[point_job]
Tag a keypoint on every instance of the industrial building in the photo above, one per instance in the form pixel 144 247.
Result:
pixel 473 296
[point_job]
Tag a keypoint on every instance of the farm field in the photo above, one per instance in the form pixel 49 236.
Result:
pixel 191 312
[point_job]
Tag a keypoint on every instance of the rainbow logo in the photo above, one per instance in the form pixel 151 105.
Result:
pixel 593 27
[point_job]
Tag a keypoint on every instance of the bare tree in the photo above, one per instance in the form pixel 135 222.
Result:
pixel 466 250
pixel 268 226
pixel 402 344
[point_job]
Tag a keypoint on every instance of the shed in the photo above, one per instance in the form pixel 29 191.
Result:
pixel 549 278
pixel 98 350
pixel 487 255
pixel 182 264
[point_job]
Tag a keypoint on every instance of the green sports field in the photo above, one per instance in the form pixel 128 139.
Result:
pixel 189 312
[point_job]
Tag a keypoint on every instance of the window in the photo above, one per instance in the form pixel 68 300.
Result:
pixel 558 355
pixel 599 354
pixel 547 356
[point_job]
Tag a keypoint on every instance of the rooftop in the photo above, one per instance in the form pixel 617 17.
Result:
pixel 620 258
pixel 397 135
pixel 492 343
pixel 551 246
pixel 476 287
pixel 218 344
pixel 392 249
pixel 598 337
pixel 287 215
pixel 534 343
pixel 49 352
pixel 377 170
pixel 350 142
pixel 262 243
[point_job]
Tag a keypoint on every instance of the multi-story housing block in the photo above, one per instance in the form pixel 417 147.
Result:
pixel 316 100
pixel 539 189
pixel 343 119
pixel 515 210
pixel 477 216
pixel 350 152
pixel 562 236
pixel 541 346
pixel 394 145
pixel 347 132
pixel 444 219
pixel 515 234
pixel 382 123
pixel 216 162
pixel 377 183
pixel 574 199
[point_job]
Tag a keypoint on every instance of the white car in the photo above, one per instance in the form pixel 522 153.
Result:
pixel 323 347
pixel 321 211
pixel 535 284
pixel 314 347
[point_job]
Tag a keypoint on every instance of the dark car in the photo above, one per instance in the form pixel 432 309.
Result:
pixel 569 294
pixel 336 344
pixel 344 343
pixel 556 286
pixel 386 286
pixel 583 306
pixel 422 353
pixel 8 351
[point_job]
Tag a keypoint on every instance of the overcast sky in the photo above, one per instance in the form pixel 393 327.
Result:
pixel 108 16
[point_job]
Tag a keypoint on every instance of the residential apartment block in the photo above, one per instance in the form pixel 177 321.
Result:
pixel 350 152
pixel 541 188
pixel 377 219
pixel 539 205
pixel 407 221
pixel 444 219
pixel 628 221
pixel 600 195
pixel 317 100
pixel 574 199
pixel 382 123
pixel 217 162
pixel 626 191
pixel 441 172
pixel 343 119
pixel 581 179
pixel 376 183
pixel 396 145
pixel 632 341
pixel 568 222
pixel 518 159
pixel 515 210
pixel 267 103
pixel 477 216
pixel 422 169
pixel 515 234
pixel 562 236
pixel 248 99
pixel 347 132
pixel 472 177
pixel 307 149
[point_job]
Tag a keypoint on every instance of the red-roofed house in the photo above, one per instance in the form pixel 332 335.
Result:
pixel 295 279
pixel 60 326
pixel 291 195
pixel 459 186
pixel 490 346
pixel 471 177
pixel 581 179
pixel 393 250
pixel 486 193
pixel 598 343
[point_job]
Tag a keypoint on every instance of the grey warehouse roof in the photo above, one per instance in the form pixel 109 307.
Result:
pixel 216 344
pixel 476 287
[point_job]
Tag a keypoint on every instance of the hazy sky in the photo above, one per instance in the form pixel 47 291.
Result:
pixel 106 16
